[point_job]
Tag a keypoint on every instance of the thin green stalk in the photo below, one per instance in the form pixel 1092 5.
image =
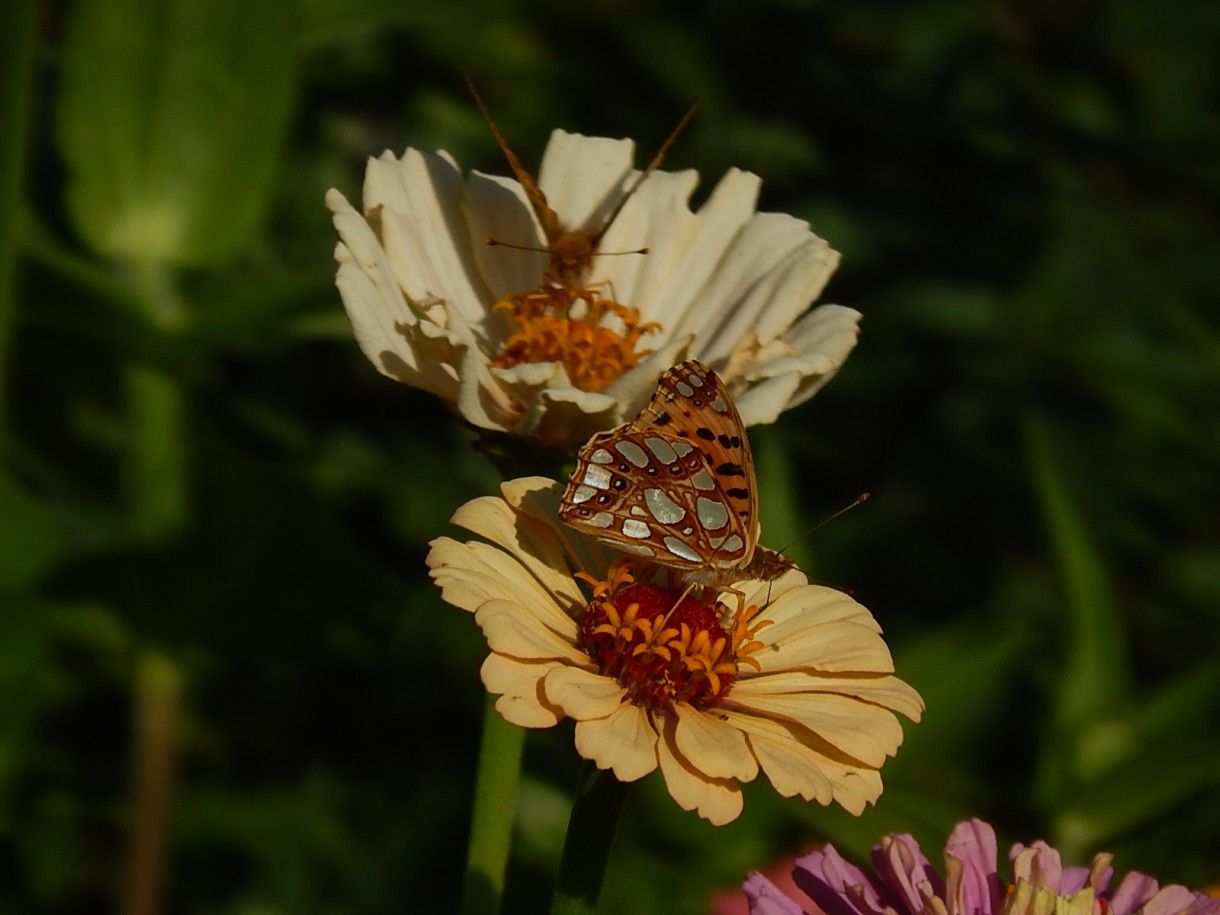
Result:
pixel 18 38
pixel 157 428
pixel 495 807
pixel 156 459
pixel 157 490
pixel 586 849
pixel 499 772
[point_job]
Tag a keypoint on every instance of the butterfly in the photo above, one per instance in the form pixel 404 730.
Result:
pixel 676 485
pixel 570 251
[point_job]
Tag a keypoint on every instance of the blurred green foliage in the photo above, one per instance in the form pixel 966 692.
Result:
pixel 198 461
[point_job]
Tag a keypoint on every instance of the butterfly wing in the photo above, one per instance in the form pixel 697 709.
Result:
pixel 675 485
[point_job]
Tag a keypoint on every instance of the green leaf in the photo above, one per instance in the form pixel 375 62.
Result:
pixel 172 116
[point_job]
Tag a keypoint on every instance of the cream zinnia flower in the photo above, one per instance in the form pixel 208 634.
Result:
pixel 532 344
pixel 799 686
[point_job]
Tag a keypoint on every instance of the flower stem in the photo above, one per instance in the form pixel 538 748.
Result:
pixel 495 804
pixel 157 455
pixel 586 850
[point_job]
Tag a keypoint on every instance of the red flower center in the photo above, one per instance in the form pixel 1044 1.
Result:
pixel 665 646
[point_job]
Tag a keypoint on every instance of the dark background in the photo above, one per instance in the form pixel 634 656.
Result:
pixel 212 504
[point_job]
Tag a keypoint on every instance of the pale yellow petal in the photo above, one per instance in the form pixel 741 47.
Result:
pixel 886 691
pixel 470 574
pixel 539 498
pixel 532 542
pixel 833 647
pixel 712 746
pixel 624 742
pixel 815 604
pixel 583 694
pixel 856 789
pixel 517 683
pixel 513 629
pixel 462 582
pixel 792 767
pixel 797 761
pixel 866 732
pixel 717 800
pixel 824 629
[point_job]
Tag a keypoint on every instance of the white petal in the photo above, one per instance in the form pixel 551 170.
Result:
pixel 773 272
pixel 583 694
pixel 790 371
pixel 635 387
pixel 583 177
pixel 567 414
pixel 496 208
pixel 673 289
pixel 423 230
pixel 377 309
pixel 713 747
pixel 624 742
pixel 658 217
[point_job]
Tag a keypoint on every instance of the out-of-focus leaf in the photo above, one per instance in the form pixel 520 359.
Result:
pixel 29 542
pixel 23 644
pixel 171 120
pixel 17 43
pixel 1086 735
pixel 1147 786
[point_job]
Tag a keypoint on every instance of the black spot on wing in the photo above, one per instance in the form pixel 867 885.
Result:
pixel 706 434
pixel 730 470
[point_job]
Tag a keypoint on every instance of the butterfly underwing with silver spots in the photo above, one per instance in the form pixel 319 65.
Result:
pixel 676 485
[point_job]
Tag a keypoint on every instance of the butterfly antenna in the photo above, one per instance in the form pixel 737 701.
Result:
pixel 652 166
pixel 523 176
pixel 859 500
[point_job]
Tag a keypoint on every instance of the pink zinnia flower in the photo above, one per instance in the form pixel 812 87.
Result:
pixel 905 883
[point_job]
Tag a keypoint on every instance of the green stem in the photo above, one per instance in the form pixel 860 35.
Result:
pixel 157 456
pixel 18 38
pixel 586 850
pixel 495 806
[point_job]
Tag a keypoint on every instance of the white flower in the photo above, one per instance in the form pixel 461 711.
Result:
pixel 497 332
pixel 795 683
